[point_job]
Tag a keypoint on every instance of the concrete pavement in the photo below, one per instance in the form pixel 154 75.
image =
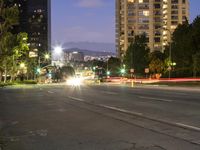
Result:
pixel 99 117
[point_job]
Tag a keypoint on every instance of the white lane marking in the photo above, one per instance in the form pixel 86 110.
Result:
pixel 77 99
pixel 140 114
pixel 121 110
pixel 181 93
pixel 173 93
pixel 111 93
pixel 157 99
pixel 50 92
pixel 188 126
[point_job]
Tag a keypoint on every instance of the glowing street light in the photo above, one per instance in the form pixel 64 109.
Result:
pixel 173 64
pixel 22 65
pixel 38 70
pixel 46 56
pixel 58 50
pixel 122 71
pixel 108 73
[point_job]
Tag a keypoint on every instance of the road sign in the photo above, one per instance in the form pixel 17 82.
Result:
pixel 169 68
pixel 132 70
pixel 33 54
pixel 146 70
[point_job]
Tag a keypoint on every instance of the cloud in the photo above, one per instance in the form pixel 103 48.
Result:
pixel 90 3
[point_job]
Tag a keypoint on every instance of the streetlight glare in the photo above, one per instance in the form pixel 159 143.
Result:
pixel 38 70
pixel 123 71
pixel 108 72
pixel 46 56
pixel 58 49
pixel 22 65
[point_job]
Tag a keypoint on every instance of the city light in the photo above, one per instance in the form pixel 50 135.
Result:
pixel 75 81
pixel 58 50
pixel 38 70
pixel 22 65
pixel 122 71
pixel 46 56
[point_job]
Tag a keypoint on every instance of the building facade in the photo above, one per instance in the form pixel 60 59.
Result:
pixel 73 56
pixel 35 19
pixel 156 18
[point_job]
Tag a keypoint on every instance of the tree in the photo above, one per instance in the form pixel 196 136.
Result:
pixel 137 54
pixel 196 45
pixel 20 52
pixel 182 50
pixel 113 65
pixel 6 47
pixel 196 62
pixel 157 64
pixel 196 34
pixel 8 18
pixel 185 45
pixel 67 71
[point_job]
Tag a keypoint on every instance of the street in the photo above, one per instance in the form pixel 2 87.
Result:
pixel 99 117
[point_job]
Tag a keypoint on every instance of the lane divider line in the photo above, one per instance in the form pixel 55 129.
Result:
pixel 121 110
pixel 50 92
pixel 185 126
pixel 77 99
pixel 181 125
pixel 188 126
pixel 157 99
pixel 107 92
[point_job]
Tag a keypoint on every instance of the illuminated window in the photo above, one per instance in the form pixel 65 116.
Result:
pixel 164 6
pixel 164 32
pixel 146 13
pixel 173 27
pixel 165 37
pixel 140 1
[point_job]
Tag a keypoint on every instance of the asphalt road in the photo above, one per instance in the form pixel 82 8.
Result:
pixel 99 117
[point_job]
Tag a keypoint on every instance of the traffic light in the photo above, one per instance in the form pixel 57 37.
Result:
pixel 108 73
pixel 38 70
pixel 122 71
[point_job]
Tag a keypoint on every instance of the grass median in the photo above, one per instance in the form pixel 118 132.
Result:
pixel 25 82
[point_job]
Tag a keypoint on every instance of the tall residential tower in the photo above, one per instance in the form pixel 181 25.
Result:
pixel 35 19
pixel 156 18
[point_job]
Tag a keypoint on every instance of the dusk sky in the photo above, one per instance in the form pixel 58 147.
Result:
pixel 90 20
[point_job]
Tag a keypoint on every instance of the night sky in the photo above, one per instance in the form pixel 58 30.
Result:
pixel 90 20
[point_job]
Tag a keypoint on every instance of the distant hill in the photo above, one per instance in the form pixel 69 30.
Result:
pixel 107 47
pixel 90 52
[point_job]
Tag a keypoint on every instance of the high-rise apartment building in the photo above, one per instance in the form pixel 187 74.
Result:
pixel 35 19
pixel 156 18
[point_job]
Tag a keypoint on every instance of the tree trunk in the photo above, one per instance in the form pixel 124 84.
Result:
pixel 5 74
pixel 1 76
pixel 12 77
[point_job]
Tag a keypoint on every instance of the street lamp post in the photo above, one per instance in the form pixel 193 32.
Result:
pixel 22 66
pixel 57 54
pixel 46 57
pixel 123 70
